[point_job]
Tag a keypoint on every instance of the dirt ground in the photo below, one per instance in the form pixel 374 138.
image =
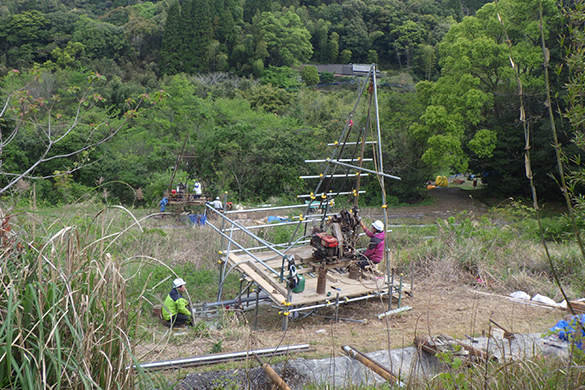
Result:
pixel 438 307
pixel 445 202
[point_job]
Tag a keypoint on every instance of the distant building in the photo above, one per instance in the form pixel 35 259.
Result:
pixel 344 70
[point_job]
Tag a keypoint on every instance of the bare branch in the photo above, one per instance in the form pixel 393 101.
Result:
pixel 26 109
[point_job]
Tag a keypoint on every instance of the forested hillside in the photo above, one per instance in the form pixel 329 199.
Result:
pixel 240 36
pixel 222 81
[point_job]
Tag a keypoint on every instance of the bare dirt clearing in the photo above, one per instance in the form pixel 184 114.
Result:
pixel 440 305
pixel 446 202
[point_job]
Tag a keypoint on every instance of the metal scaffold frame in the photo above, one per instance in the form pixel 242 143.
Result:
pixel 263 263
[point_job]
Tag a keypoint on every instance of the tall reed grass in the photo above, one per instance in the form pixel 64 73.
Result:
pixel 64 314
pixel 78 286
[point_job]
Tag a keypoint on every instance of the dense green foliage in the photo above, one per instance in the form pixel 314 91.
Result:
pixel 242 37
pixel 246 111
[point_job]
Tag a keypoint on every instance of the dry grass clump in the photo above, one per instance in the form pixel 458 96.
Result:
pixel 447 270
pixel 175 243
pixel 495 255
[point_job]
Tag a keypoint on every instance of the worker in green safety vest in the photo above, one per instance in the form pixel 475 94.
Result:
pixel 175 309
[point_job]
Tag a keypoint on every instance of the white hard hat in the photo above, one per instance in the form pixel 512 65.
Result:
pixel 217 198
pixel 178 282
pixel 378 225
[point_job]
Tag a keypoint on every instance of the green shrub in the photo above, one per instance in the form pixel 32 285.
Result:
pixel 327 78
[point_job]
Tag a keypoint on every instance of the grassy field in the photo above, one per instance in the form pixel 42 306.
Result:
pixel 80 282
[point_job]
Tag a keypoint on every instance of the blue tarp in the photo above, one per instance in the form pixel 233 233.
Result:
pixel 566 329
pixel 198 219
pixel 277 219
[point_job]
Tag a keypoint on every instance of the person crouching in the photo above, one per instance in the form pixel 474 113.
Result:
pixel 175 309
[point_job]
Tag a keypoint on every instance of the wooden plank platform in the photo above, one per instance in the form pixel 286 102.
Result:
pixel 338 280
pixel 186 199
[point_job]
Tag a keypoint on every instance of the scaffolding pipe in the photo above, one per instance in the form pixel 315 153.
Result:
pixel 236 300
pixel 245 250
pixel 371 364
pixel 285 317
pixel 256 308
pixel 264 247
pixel 259 239
pixel 278 381
pixel 330 194
pixel 362 169
pixel 294 206
pixel 334 176
pixel 348 300
pixel 285 245
pixel 223 263
pixel 336 150
pixel 209 359
pixel 341 159
pixel 311 216
pixel 351 143
pixel 267 225
pixel 381 169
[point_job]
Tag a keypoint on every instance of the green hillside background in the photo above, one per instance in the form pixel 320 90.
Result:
pixel 243 99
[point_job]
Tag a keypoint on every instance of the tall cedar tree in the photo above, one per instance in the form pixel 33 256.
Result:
pixel 170 59
pixel 224 23
pixel 188 27
pixel 202 35
pixel 253 6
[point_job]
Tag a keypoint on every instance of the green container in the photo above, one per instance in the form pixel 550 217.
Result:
pixel 301 286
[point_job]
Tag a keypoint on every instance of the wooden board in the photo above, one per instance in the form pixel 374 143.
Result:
pixel 578 307
pixel 338 281
pixel 259 280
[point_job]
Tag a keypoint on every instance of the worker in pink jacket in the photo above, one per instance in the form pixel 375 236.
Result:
pixel 375 252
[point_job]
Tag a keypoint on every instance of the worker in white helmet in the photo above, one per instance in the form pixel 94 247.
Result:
pixel 175 308
pixel 197 190
pixel 375 251
pixel 217 205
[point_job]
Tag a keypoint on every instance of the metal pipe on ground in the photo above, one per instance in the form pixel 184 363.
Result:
pixel 371 364
pixel 211 359
pixel 278 381
pixel 236 300
pixel 341 319
pixel 395 311
pixel 427 344
pixel 375 294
